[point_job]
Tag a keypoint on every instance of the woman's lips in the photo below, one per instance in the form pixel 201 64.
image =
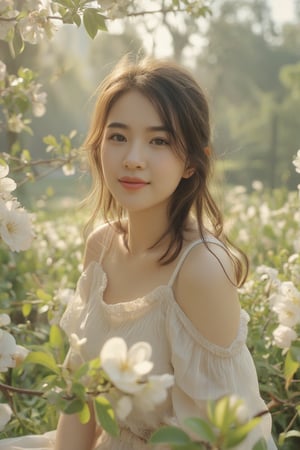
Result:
pixel 132 183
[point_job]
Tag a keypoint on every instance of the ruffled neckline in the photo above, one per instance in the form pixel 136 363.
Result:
pixel 101 280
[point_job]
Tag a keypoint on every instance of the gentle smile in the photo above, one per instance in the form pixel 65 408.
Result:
pixel 132 183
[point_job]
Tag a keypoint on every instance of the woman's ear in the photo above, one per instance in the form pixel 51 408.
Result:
pixel 189 171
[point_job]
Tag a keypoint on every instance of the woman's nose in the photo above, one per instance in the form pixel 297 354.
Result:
pixel 134 159
pixel 133 164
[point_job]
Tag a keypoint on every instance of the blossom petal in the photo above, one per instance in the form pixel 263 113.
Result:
pixel 4 320
pixel 139 352
pixel 4 170
pixel 5 415
pixel 143 367
pixel 114 348
pixel 8 348
pixel 124 407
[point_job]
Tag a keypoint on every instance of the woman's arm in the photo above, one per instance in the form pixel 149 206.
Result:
pixel 73 435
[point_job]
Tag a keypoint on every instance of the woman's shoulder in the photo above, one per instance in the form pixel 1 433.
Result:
pixel 206 291
pixel 97 242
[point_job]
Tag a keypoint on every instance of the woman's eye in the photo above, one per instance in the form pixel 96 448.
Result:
pixel 159 141
pixel 117 137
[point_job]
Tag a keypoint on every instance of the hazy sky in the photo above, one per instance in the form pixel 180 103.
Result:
pixel 283 10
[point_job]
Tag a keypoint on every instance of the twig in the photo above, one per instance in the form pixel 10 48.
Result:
pixel 6 388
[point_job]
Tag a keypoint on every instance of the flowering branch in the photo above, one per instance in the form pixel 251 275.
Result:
pixel 32 25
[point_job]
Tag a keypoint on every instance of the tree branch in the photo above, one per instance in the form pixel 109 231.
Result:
pixel 6 388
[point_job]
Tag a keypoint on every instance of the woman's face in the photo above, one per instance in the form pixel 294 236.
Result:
pixel 141 168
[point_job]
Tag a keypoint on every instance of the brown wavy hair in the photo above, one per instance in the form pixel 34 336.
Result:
pixel 183 108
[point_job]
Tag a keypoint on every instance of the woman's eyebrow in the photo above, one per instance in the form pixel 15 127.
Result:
pixel 150 128
pixel 117 125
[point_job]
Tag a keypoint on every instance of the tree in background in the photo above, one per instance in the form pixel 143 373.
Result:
pixel 256 133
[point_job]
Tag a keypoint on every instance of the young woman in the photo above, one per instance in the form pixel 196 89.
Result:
pixel 160 268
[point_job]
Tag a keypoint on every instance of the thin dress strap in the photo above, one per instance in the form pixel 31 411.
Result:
pixel 187 251
pixel 106 242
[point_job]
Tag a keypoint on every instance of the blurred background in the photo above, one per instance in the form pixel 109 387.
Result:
pixel 246 55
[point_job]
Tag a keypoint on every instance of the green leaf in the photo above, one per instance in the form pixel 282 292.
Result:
pixel 288 434
pixel 202 428
pixel 43 359
pixel 26 309
pixel 56 338
pixel 295 352
pixel 221 416
pixel 170 435
pixel 50 140
pixel 42 295
pixel 81 371
pixel 79 390
pixel 66 3
pixel 84 414
pixel 237 435
pixel 77 19
pixel 93 21
pixel 73 406
pixel 105 415
pixel 25 155
pixel 290 368
pixel 17 42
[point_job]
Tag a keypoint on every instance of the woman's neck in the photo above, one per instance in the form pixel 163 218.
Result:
pixel 144 231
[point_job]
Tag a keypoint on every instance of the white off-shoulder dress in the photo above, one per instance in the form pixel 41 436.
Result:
pixel 202 369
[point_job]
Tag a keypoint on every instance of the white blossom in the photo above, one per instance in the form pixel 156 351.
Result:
pixel 8 348
pixel 257 185
pixel 269 275
pixel 267 272
pixel 265 213
pixel 20 354
pixel 153 392
pixel 124 407
pixel 15 123
pixel 7 185
pixel 240 409
pixel 4 320
pixel 115 9
pixel 290 291
pixel 31 28
pixel 296 161
pixel 126 368
pixel 285 302
pixel 36 26
pixel 38 100
pixel 15 227
pixel 288 313
pixel 2 70
pixel 68 169
pixel 5 415
pixel 61 299
pixel 283 336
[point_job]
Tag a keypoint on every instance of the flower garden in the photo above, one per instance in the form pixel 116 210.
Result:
pixel 41 260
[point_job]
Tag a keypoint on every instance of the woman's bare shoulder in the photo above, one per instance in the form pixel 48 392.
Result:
pixel 96 242
pixel 207 294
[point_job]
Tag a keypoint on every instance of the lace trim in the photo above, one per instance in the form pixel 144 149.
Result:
pixel 97 271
